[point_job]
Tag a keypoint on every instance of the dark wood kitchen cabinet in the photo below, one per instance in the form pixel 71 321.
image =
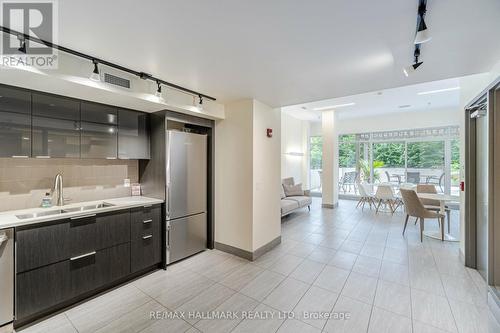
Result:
pixel 15 122
pixel 64 261
pixel 133 134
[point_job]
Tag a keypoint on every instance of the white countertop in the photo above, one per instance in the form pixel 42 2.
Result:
pixel 8 219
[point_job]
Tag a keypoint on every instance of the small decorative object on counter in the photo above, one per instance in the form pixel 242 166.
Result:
pixel 136 189
pixel 47 200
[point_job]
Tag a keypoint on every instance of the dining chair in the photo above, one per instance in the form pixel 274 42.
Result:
pixel 433 204
pixel 415 208
pixel 413 177
pixel 366 192
pixel 393 178
pixel 385 195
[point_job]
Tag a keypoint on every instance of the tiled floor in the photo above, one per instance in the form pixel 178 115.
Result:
pixel 342 270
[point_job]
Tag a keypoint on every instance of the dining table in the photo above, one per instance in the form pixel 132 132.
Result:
pixel 443 199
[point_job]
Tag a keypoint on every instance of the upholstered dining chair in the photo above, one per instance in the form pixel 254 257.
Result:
pixel 433 204
pixel 415 208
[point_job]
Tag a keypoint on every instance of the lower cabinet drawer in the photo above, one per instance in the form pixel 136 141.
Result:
pixel 146 251
pixel 42 288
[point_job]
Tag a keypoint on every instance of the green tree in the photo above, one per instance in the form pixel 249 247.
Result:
pixel 316 146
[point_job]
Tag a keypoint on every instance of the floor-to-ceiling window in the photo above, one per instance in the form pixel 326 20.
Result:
pixel 315 164
pixel 419 156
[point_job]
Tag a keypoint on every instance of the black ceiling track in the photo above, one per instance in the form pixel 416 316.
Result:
pixel 142 75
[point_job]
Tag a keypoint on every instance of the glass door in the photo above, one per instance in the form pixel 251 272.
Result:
pixel 425 164
pixel 389 162
pixel 315 164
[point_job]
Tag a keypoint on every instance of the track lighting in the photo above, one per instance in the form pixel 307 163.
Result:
pixel 95 73
pixel 158 91
pixel 22 44
pixel 200 103
pixel 412 68
pixel 423 34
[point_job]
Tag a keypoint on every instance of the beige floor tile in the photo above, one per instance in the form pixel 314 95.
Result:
pixel 419 327
pixel 322 254
pixel 269 324
pixel 237 304
pixel 286 264
pixel 241 276
pixel 302 249
pixel 352 246
pixel 367 266
pixel 135 320
pixel 396 255
pixel 426 280
pixel 286 295
pixel 373 251
pixel 348 316
pixel 307 271
pixel 315 305
pixel 174 297
pixel 433 310
pixel 343 260
pixel 360 287
pixel 385 321
pixel 470 318
pixel 56 324
pixel 394 273
pixel 207 301
pixel 262 285
pixel 221 270
pixel 393 297
pixel 295 326
pixel 332 278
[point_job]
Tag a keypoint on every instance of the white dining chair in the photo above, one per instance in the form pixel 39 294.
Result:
pixel 385 196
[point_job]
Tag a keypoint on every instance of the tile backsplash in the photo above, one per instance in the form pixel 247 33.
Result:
pixel 23 182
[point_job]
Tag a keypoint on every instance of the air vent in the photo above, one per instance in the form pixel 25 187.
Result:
pixel 116 80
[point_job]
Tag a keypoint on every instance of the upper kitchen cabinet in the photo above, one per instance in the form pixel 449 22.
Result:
pixel 55 137
pixel 98 140
pixel 99 113
pixel 133 134
pixel 15 122
pixel 58 107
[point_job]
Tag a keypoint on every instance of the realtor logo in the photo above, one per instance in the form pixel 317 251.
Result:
pixel 36 19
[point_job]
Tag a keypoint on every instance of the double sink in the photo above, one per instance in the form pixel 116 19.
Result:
pixel 64 210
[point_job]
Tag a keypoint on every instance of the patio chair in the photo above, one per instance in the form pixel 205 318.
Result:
pixel 435 180
pixel 432 204
pixel 385 195
pixel 348 181
pixel 366 192
pixel 415 208
pixel 413 177
pixel 393 178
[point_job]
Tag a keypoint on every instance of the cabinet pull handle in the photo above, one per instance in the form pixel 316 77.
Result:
pixel 82 216
pixel 147 236
pixel 147 221
pixel 147 206
pixel 82 256
pixel 42 156
pixel 19 156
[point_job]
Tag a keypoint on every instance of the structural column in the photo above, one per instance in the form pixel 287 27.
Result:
pixel 330 163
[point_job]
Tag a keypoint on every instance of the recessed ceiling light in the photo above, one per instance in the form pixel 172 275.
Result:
pixel 333 106
pixel 437 91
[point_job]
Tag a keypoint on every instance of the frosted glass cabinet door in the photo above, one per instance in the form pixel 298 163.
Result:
pixel 98 140
pixel 133 134
pixel 15 122
pixel 55 138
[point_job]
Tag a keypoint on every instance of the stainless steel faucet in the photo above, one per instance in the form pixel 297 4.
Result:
pixel 58 190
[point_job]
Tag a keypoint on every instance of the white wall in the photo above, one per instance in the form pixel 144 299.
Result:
pixel 266 175
pixel 294 138
pixel 234 176
pixel 247 171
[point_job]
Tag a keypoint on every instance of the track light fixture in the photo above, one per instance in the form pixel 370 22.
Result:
pixel 412 68
pixel 422 34
pixel 158 91
pixel 200 102
pixel 22 44
pixel 95 73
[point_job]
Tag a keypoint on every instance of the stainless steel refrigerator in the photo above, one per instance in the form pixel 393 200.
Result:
pixel 186 194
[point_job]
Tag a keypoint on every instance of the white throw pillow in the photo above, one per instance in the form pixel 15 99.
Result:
pixel 293 190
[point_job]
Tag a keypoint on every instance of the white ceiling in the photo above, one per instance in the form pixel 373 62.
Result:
pixel 401 99
pixel 284 52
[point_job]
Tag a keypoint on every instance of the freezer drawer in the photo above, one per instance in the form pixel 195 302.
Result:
pixel 186 236
pixel 186 174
